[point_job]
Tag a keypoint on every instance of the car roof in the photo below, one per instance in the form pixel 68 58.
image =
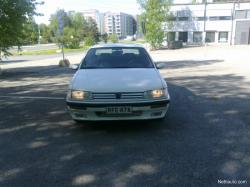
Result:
pixel 116 45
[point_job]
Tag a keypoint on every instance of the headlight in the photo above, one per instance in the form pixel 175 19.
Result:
pixel 79 95
pixel 157 94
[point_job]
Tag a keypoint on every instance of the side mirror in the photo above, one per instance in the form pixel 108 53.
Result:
pixel 74 67
pixel 160 65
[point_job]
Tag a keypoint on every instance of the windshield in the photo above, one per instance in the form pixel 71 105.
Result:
pixel 117 57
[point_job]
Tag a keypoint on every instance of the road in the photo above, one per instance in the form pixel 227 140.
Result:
pixel 36 47
pixel 205 137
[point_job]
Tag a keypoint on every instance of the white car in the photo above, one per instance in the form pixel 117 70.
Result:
pixel 117 82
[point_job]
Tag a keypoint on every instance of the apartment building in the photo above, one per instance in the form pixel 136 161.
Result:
pixel 211 22
pixel 119 23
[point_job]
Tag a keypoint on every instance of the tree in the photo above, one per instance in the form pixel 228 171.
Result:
pixel 45 33
pixel 74 33
pixel 113 38
pixel 104 37
pixel 67 36
pixel 134 26
pixel 92 30
pixel 155 14
pixel 78 23
pixel 70 38
pixel 29 33
pixel 76 29
pixel 13 16
pixel 54 24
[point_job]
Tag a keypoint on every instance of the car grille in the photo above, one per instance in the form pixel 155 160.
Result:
pixel 118 96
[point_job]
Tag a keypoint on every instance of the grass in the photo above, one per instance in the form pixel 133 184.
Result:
pixel 66 50
pixel 51 51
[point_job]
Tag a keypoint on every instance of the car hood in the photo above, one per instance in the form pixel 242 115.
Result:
pixel 117 80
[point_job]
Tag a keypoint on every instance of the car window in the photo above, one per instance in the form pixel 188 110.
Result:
pixel 117 57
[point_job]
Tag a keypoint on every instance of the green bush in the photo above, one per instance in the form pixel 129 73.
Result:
pixel 89 41
pixel 113 38
pixel 70 39
pixel 73 43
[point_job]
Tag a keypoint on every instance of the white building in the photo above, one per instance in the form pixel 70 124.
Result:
pixel 118 23
pixel 210 22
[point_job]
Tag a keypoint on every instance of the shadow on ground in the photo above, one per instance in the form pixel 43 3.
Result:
pixel 185 63
pixel 203 139
pixel 45 81
pixel 12 61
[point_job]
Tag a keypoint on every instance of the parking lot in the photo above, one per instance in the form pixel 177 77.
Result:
pixel 204 139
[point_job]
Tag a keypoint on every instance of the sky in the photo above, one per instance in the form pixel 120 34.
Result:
pixel 50 7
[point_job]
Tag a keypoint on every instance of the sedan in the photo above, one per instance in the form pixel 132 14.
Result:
pixel 117 82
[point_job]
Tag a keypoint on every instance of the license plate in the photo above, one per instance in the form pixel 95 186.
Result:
pixel 119 110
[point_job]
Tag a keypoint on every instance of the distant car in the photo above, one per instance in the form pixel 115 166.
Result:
pixel 117 82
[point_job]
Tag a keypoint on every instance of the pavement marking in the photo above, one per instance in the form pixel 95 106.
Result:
pixel 31 97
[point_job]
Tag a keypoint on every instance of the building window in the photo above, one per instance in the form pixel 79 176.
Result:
pixel 213 18
pixel 225 17
pixel 183 13
pixel 183 36
pixel 182 18
pixel 223 37
pixel 171 36
pixel 216 18
pixel 240 14
pixel 210 37
pixel 197 37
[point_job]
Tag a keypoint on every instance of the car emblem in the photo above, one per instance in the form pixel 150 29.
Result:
pixel 118 95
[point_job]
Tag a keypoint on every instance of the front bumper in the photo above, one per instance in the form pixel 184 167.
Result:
pixel 97 111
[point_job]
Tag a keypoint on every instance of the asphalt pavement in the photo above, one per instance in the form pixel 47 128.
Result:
pixel 203 141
